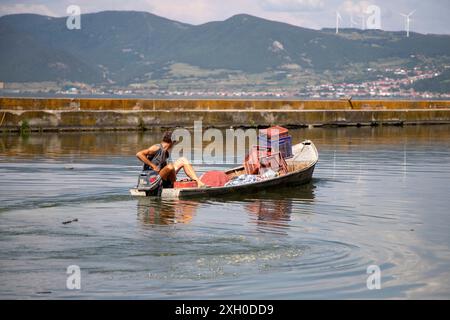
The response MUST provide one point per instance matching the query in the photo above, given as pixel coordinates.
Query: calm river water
(380, 196)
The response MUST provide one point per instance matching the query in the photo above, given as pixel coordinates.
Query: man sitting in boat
(155, 158)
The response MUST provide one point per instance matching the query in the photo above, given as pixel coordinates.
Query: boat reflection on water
(270, 215)
(270, 210)
(154, 211)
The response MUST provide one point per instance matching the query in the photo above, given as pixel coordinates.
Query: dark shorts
(167, 184)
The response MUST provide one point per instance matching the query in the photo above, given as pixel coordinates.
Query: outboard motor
(150, 182)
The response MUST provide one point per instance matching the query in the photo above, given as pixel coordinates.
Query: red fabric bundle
(214, 178)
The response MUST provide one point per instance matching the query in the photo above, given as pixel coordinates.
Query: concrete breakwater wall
(133, 114)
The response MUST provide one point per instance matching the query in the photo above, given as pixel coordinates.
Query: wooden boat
(300, 170)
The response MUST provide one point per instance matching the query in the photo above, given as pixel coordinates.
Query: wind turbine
(352, 21)
(363, 20)
(338, 18)
(408, 21)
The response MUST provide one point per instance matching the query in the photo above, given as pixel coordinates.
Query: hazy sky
(431, 16)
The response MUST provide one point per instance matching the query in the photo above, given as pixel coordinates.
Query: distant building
(2, 85)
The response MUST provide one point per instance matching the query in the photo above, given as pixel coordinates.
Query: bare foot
(200, 184)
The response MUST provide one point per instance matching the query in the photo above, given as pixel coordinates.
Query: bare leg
(188, 169)
(168, 173)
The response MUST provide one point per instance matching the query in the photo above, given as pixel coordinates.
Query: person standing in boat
(155, 158)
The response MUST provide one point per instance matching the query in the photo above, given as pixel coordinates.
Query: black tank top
(158, 159)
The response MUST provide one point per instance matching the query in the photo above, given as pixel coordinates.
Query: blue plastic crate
(284, 145)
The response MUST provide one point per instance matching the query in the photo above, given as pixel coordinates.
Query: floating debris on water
(70, 221)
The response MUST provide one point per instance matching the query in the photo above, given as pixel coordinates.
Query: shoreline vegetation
(26, 115)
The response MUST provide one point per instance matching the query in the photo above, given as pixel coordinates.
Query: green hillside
(136, 47)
